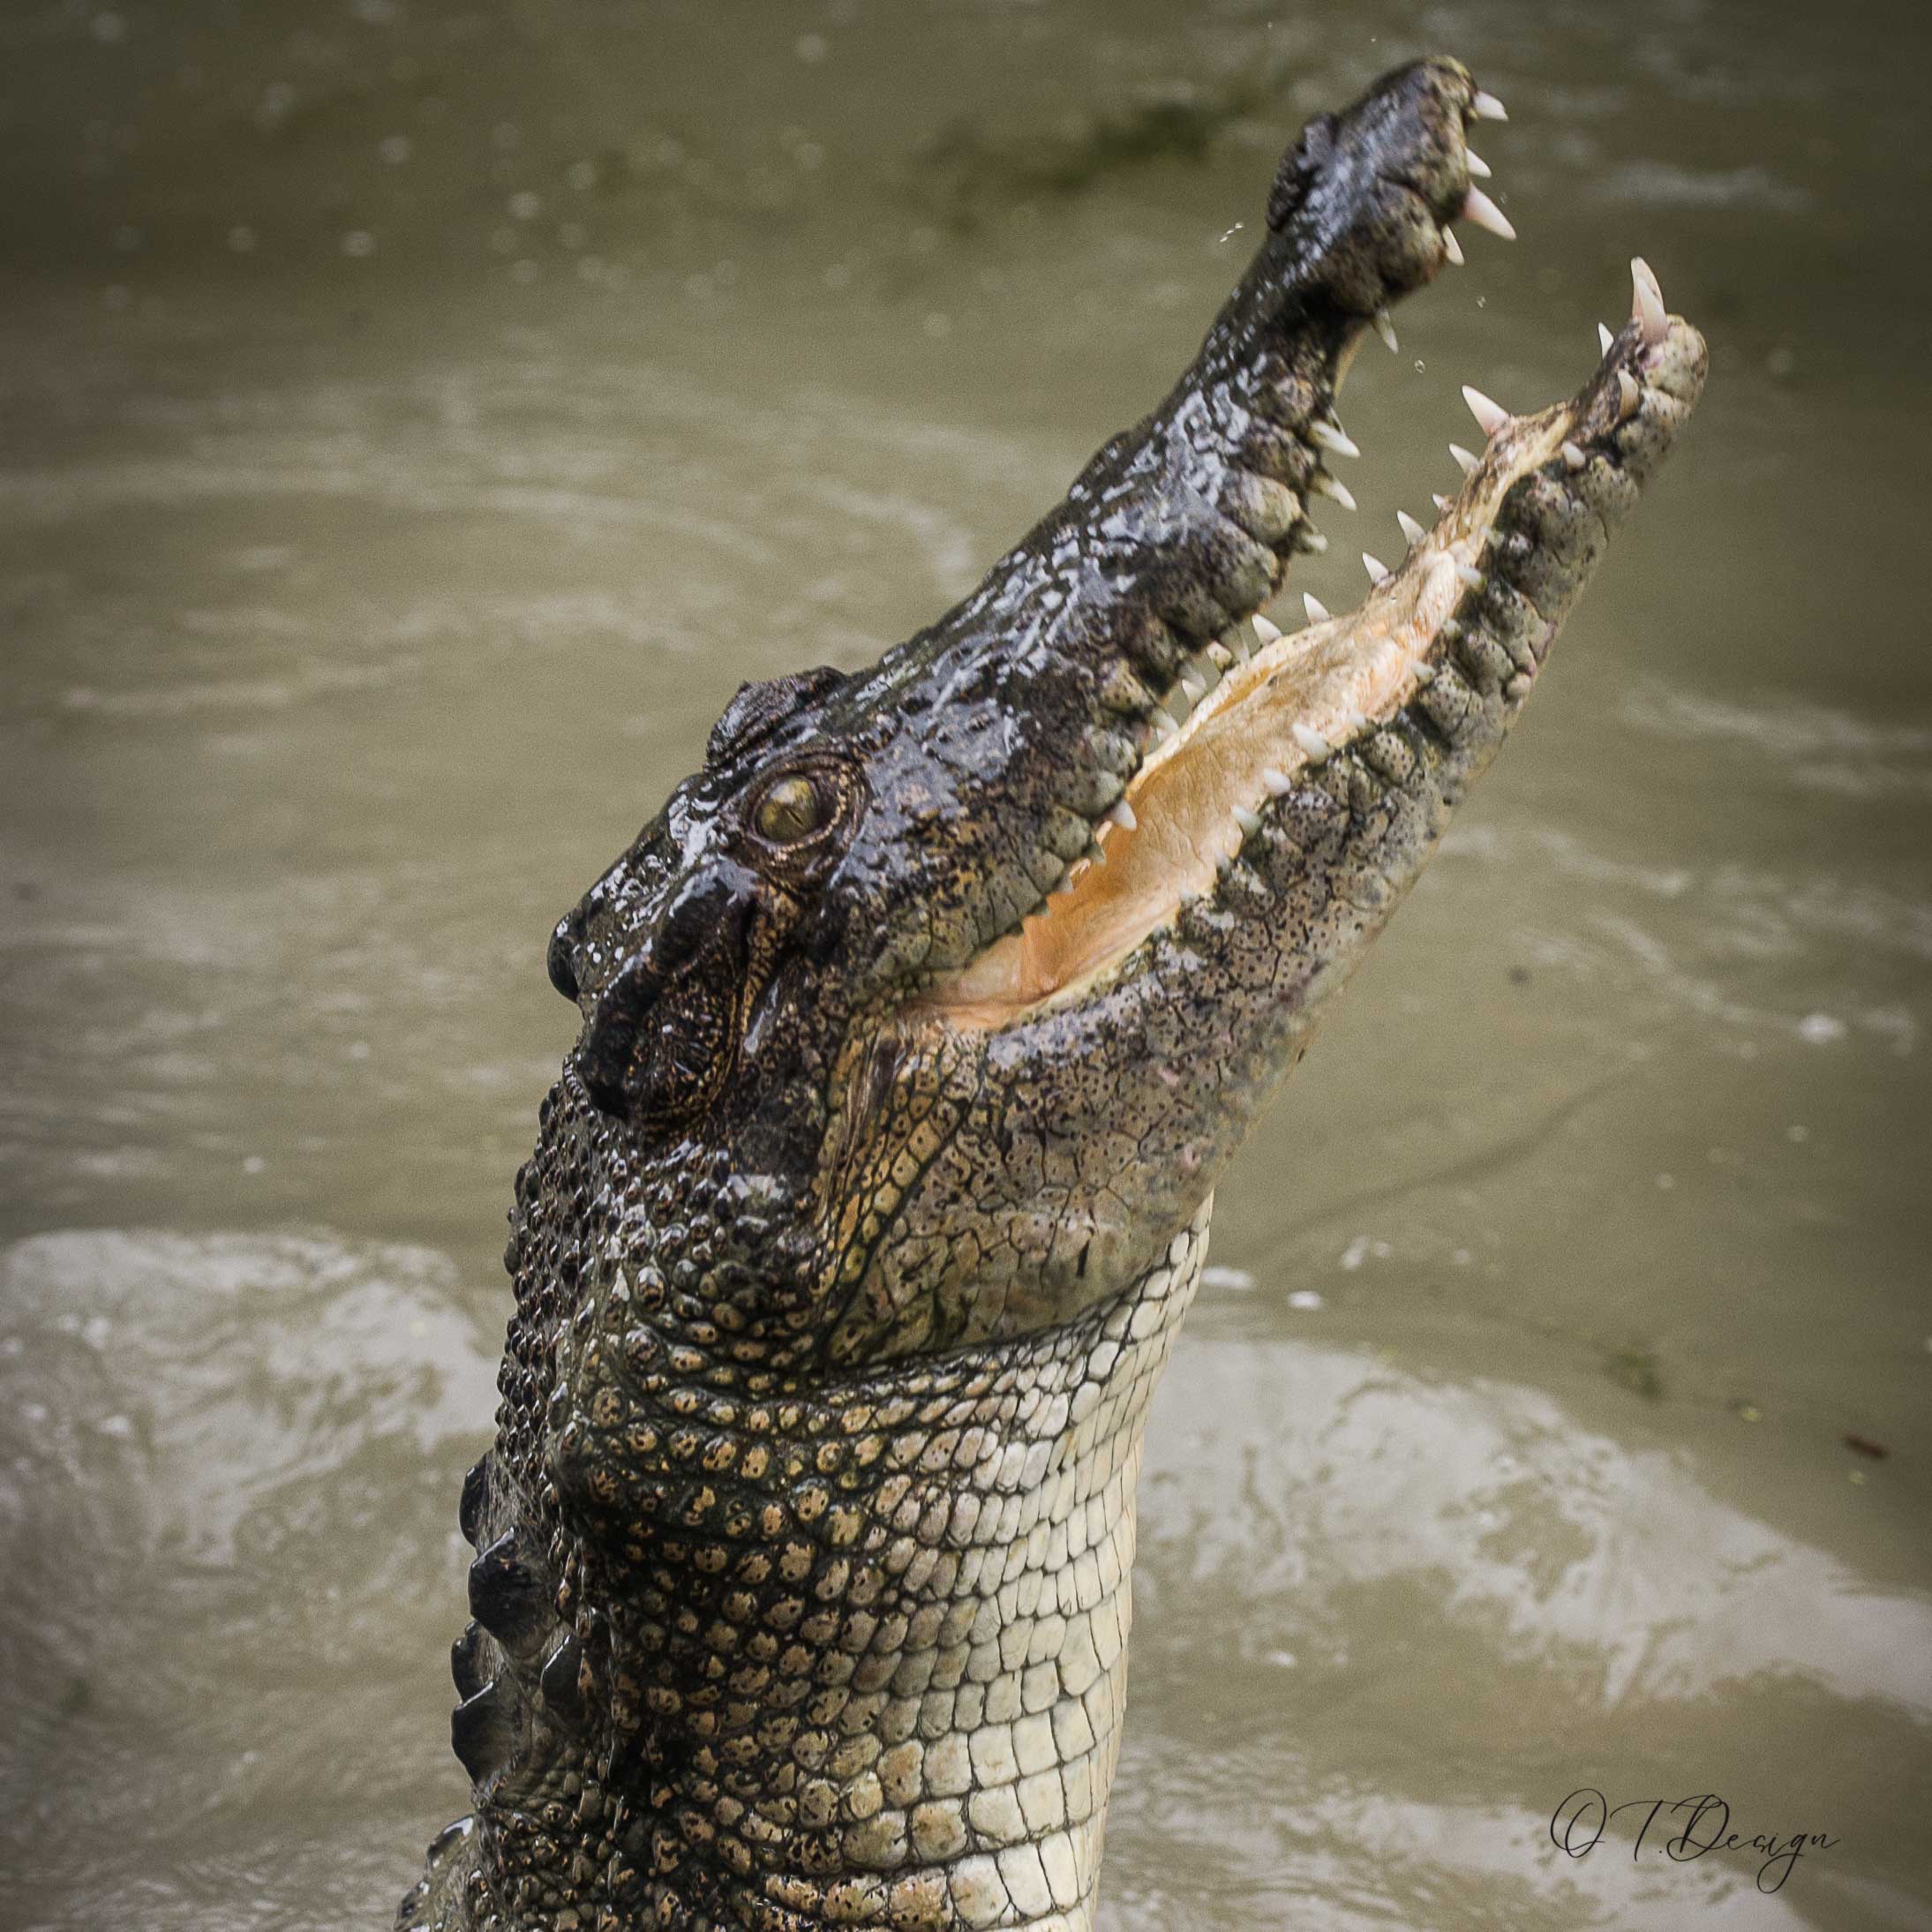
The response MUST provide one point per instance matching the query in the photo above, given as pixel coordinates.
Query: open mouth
(1485, 587)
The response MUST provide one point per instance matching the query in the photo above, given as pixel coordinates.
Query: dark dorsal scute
(760, 708)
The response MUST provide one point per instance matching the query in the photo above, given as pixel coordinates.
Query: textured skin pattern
(865, 1651)
(801, 1588)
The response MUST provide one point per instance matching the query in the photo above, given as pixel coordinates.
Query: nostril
(562, 969)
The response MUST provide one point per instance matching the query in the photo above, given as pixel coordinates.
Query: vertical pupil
(790, 809)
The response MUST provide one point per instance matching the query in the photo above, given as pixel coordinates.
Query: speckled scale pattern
(854, 1656)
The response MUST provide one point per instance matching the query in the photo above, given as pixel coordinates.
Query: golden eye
(791, 810)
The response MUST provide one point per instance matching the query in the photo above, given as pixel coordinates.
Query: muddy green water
(417, 416)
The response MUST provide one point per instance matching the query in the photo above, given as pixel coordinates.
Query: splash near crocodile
(917, 1028)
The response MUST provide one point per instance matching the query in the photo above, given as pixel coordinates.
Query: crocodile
(916, 1029)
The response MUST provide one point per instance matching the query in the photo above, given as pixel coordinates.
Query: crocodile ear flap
(759, 708)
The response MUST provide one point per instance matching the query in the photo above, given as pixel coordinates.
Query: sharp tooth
(1324, 484)
(1451, 247)
(1376, 568)
(1315, 748)
(1312, 541)
(1627, 394)
(1385, 328)
(1440, 501)
(1451, 629)
(1249, 822)
(1237, 640)
(1486, 107)
(1462, 457)
(1484, 212)
(1219, 655)
(1333, 436)
(1471, 576)
(1572, 455)
(1196, 690)
(1606, 338)
(1357, 720)
(1264, 631)
(1096, 853)
(1425, 674)
(1067, 880)
(1163, 725)
(1478, 166)
(1647, 302)
(1318, 611)
(1123, 816)
(1277, 781)
(1411, 529)
(1490, 416)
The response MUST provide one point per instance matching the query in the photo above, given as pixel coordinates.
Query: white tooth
(1324, 484)
(1249, 822)
(1276, 780)
(1486, 107)
(1265, 631)
(1411, 529)
(1573, 456)
(1357, 721)
(1313, 542)
(1163, 725)
(1096, 853)
(1425, 674)
(1484, 212)
(1318, 611)
(1219, 655)
(1385, 328)
(1440, 501)
(1333, 436)
(1647, 302)
(1243, 649)
(1490, 416)
(1471, 576)
(1462, 457)
(1376, 568)
(1451, 247)
(1606, 338)
(1451, 628)
(1314, 747)
(1627, 393)
(1196, 690)
(1478, 166)
(1123, 816)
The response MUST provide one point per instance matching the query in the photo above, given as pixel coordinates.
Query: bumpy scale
(917, 1026)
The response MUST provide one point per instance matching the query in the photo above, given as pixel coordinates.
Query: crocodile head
(917, 1026)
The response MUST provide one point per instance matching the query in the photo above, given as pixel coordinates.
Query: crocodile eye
(792, 809)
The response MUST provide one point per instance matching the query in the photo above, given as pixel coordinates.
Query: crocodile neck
(895, 1703)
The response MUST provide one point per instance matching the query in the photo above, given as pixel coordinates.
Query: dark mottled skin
(802, 1589)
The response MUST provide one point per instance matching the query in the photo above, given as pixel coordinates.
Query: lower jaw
(1472, 607)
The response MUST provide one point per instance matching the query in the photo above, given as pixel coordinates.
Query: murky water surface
(415, 419)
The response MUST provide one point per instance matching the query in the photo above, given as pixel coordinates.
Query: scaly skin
(865, 1210)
